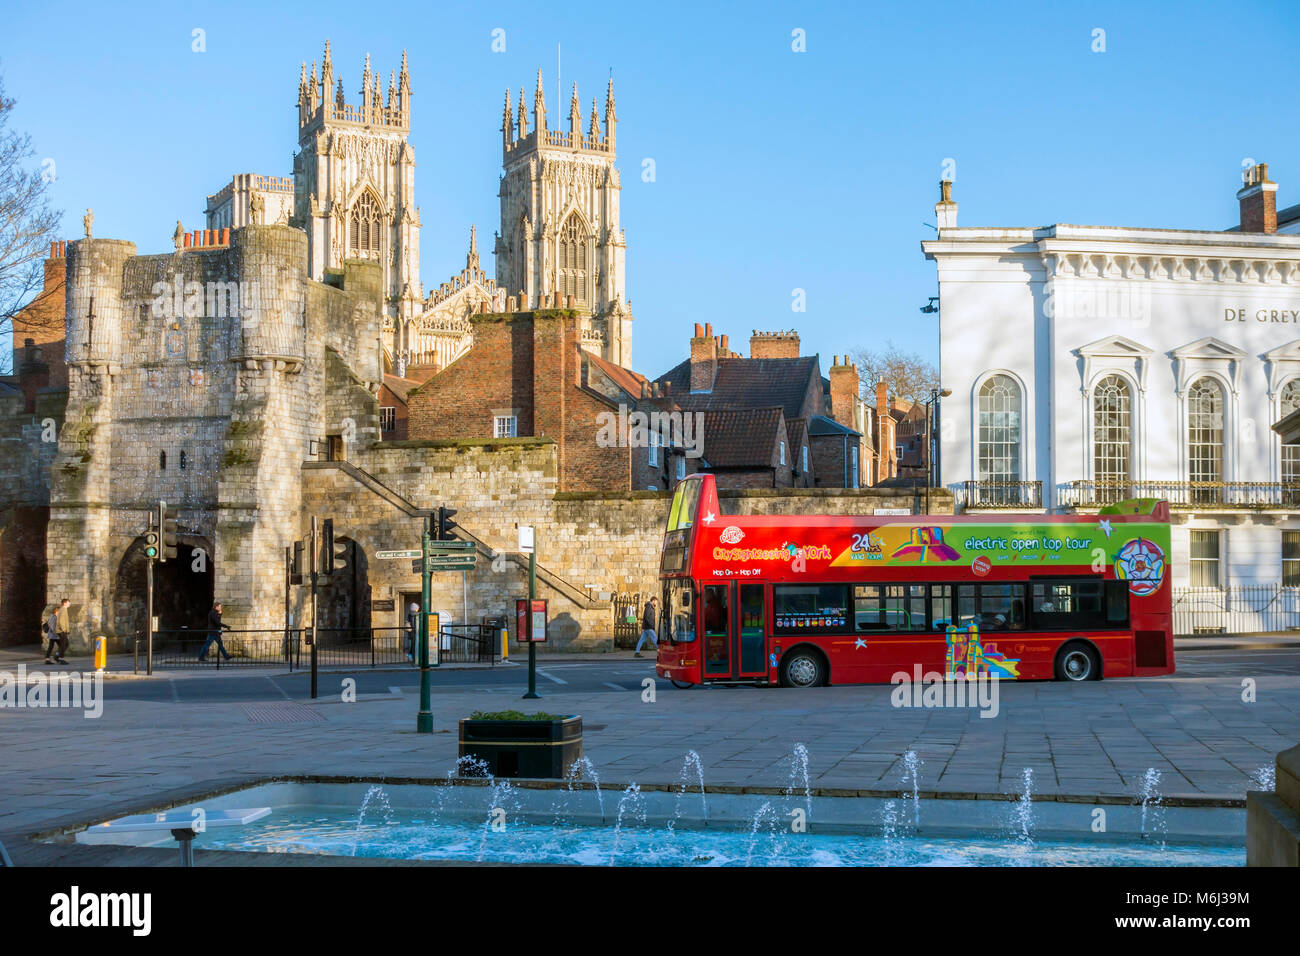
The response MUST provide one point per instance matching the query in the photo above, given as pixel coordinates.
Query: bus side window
(1117, 603)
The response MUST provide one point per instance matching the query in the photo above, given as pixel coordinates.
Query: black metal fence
(627, 606)
(337, 647)
(1250, 609)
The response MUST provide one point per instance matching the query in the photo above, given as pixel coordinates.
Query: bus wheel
(1077, 662)
(802, 668)
(682, 685)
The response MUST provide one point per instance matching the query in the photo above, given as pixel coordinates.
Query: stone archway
(183, 588)
(343, 608)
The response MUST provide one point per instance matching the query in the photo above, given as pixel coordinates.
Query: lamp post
(931, 456)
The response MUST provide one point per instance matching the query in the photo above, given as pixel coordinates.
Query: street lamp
(931, 412)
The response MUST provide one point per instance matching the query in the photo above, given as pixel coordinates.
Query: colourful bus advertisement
(808, 600)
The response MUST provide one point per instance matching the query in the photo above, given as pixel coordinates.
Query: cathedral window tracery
(573, 259)
(364, 228)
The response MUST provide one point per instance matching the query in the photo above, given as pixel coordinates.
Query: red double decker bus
(805, 600)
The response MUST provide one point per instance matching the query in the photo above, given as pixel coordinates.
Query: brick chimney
(704, 359)
(764, 345)
(844, 391)
(885, 450)
(1258, 200)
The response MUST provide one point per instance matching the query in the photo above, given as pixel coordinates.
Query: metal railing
(353, 647)
(1001, 494)
(626, 632)
(1185, 494)
(469, 643)
(1245, 609)
(180, 647)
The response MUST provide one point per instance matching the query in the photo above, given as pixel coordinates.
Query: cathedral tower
(560, 229)
(354, 181)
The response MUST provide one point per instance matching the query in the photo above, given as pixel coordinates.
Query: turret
(539, 109)
(94, 295)
(609, 115)
(575, 117)
(593, 126)
(404, 91)
(365, 87)
(326, 74)
(507, 123)
(523, 115)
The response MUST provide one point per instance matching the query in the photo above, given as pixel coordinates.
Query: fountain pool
(468, 821)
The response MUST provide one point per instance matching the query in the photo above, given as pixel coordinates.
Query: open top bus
(807, 600)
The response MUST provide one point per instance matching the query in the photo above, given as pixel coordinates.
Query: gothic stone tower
(354, 182)
(560, 229)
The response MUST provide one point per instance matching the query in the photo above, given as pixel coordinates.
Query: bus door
(733, 621)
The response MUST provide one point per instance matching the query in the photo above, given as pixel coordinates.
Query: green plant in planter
(511, 715)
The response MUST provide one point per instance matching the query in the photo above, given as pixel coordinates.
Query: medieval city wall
(590, 545)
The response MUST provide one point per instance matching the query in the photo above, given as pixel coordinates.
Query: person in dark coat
(215, 627)
(649, 621)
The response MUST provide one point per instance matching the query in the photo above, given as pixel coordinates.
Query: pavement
(181, 734)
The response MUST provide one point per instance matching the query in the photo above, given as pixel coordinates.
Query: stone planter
(523, 748)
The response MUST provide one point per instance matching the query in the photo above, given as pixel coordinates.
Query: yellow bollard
(505, 644)
(101, 654)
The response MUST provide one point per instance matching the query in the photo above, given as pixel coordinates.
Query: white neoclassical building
(1093, 363)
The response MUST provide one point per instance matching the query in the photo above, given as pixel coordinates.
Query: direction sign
(414, 553)
(450, 547)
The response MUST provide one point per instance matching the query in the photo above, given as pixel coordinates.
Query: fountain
(584, 768)
(889, 831)
(498, 793)
(632, 795)
(371, 794)
(1149, 791)
(799, 768)
(912, 768)
(1022, 813)
(691, 758)
(767, 814)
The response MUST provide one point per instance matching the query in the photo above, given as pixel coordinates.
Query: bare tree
(909, 376)
(27, 225)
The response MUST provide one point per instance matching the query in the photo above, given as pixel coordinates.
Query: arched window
(999, 440)
(1112, 438)
(1205, 439)
(573, 260)
(364, 227)
(1290, 452)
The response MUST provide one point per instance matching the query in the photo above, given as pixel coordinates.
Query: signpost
(528, 544)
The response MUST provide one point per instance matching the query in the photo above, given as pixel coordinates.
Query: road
(558, 679)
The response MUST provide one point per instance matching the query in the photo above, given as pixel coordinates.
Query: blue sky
(775, 170)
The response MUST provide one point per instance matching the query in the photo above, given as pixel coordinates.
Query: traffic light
(445, 524)
(151, 544)
(295, 565)
(327, 549)
(166, 531)
(335, 552)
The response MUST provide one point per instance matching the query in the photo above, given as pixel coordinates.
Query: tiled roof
(749, 383)
(821, 425)
(742, 438)
(399, 386)
(626, 379)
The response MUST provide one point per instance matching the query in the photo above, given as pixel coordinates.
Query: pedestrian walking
(215, 627)
(649, 621)
(56, 629)
(412, 627)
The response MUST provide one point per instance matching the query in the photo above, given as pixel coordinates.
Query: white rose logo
(731, 534)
